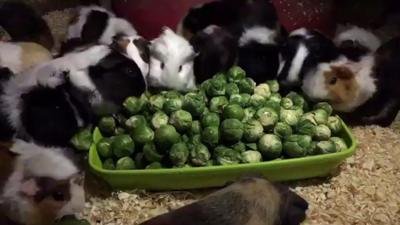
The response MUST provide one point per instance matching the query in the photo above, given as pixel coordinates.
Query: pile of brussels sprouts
(228, 120)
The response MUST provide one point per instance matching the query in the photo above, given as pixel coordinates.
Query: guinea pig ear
(143, 46)
(29, 187)
(342, 72)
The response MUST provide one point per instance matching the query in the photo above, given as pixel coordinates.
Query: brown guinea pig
(249, 201)
(37, 185)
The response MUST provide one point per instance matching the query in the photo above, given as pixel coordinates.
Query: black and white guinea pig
(50, 102)
(171, 62)
(355, 42)
(23, 24)
(248, 201)
(94, 24)
(302, 51)
(365, 92)
(38, 185)
(216, 50)
(20, 56)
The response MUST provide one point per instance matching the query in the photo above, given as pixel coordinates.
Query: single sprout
(296, 146)
(125, 163)
(246, 85)
(252, 146)
(140, 161)
(340, 144)
(273, 85)
(233, 112)
(210, 120)
(181, 120)
(232, 130)
(240, 99)
(324, 106)
(122, 145)
(195, 139)
(239, 147)
(156, 103)
(172, 104)
(334, 124)
(253, 130)
(275, 97)
(320, 116)
(235, 74)
(231, 89)
(297, 99)
(159, 119)
(270, 146)
(262, 90)
(283, 130)
(326, 147)
(220, 77)
(289, 116)
(205, 85)
(249, 114)
(185, 138)
(322, 132)
(251, 157)
(267, 117)
(104, 148)
(199, 155)
(306, 127)
(107, 125)
(217, 104)
(226, 156)
(216, 87)
(273, 105)
(195, 128)
(172, 94)
(119, 131)
(143, 134)
(287, 103)
(308, 117)
(257, 101)
(133, 105)
(179, 154)
(210, 136)
(312, 149)
(82, 140)
(165, 137)
(108, 164)
(151, 154)
(194, 103)
(135, 121)
(154, 166)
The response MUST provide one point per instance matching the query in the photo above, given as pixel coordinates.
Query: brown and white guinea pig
(364, 92)
(171, 62)
(23, 24)
(38, 185)
(20, 56)
(94, 24)
(249, 201)
(216, 50)
(52, 101)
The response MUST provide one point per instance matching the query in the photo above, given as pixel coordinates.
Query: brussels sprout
(306, 127)
(239, 147)
(156, 103)
(82, 140)
(246, 85)
(195, 139)
(232, 130)
(205, 85)
(296, 145)
(308, 117)
(231, 89)
(322, 132)
(320, 116)
(218, 103)
(267, 117)
(257, 101)
(119, 131)
(235, 74)
(154, 166)
(135, 121)
(220, 77)
(140, 161)
(194, 103)
(179, 154)
(151, 154)
(312, 149)
(262, 90)
(166, 136)
(297, 99)
(287, 103)
(125, 163)
(108, 164)
(142, 134)
(210, 120)
(270, 146)
(334, 124)
(273, 85)
(282, 130)
(133, 105)
(107, 125)
(172, 104)
(251, 157)
(195, 128)
(325, 106)
(248, 114)
(104, 148)
(289, 116)
(120, 118)
(210, 136)
(226, 156)
(185, 138)
(326, 147)
(122, 145)
(159, 118)
(273, 105)
(233, 112)
(172, 94)
(181, 120)
(252, 146)
(275, 97)
(199, 155)
(253, 130)
(216, 87)
(240, 99)
(340, 144)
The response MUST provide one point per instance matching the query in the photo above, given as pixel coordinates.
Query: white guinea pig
(38, 185)
(171, 62)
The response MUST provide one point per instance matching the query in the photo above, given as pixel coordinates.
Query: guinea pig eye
(58, 196)
(162, 65)
(128, 70)
(180, 68)
(333, 81)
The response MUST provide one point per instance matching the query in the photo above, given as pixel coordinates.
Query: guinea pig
(23, 24)
(364, 92)
(249, 201)
(355, 42)
(38, 185)
(20, 56)
(171, 62)
(216, 50)
(301, 52)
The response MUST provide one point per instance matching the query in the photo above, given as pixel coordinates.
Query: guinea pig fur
(38, 184)
(171, 62)
(249, 201)
(364, 92)
(20, 56)
(23, 24)
(217, 51)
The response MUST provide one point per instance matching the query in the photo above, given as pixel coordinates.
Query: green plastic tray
(216, 176)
